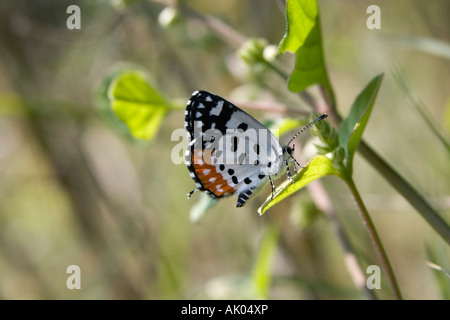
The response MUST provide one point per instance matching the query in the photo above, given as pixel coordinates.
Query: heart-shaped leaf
(303, 37)
(136, 103)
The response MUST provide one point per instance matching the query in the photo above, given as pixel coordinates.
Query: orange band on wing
(208, 175)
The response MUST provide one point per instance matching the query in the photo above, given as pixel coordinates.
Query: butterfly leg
(295, 168)
(190, 193)
(289, 170)
(273, 187)
(298, 164)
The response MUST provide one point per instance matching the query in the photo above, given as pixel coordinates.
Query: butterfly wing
(229, 151)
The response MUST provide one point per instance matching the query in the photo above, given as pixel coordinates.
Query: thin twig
(439, 268)
(270, 107)
(228, 34)
(406, 190)
(375, 239)
(304, 95)
(323, 202)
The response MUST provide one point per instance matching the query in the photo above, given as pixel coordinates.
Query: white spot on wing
(217, 109)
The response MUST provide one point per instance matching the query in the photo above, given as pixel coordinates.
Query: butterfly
(230, 152)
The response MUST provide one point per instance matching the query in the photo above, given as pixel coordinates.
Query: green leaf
(318, 167)
(303, 37)
(351, 129)
(261, 273)
(136, 103)
(103, 103)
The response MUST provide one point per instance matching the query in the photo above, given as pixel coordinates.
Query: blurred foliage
(72, 191)
(136, 103)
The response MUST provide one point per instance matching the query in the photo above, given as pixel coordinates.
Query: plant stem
(375, 238)
(399, 183)
(304, 95)
(407, 191)
(355, 270)
(383, 168)
(270, 107)
(228, 34)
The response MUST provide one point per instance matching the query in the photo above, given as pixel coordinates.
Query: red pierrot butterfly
(230, 152)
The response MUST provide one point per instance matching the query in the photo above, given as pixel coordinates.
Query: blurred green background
(74, 191)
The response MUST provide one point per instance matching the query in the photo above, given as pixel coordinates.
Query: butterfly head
(288, 150)
(288, 154)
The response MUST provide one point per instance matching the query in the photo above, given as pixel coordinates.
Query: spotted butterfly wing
(229, 152)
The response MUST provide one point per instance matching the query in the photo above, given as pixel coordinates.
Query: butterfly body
(230, 152)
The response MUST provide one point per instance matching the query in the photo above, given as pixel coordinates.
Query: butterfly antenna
(323, 116)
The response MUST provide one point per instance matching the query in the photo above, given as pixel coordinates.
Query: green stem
(400, 184)
(393, 177)
(304, 95)
(375, 238)
(407, 191)
(354, 267)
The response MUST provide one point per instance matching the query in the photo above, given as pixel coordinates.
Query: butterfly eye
(288, 149)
